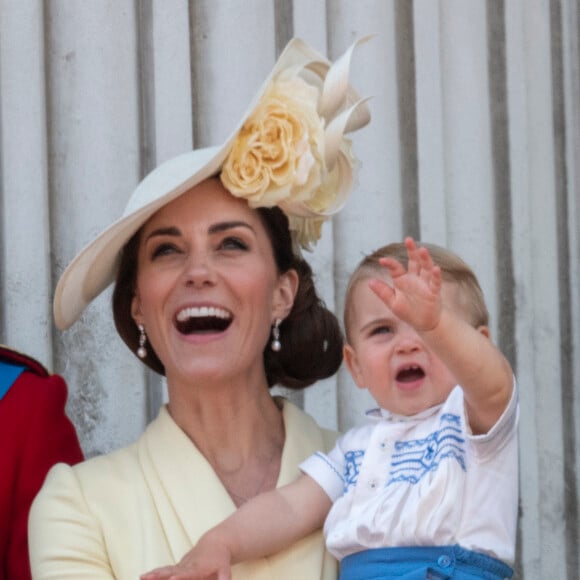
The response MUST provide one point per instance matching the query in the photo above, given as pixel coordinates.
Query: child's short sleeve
(327, 471)
(487, 446)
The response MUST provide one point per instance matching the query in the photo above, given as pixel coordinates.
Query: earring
(275, 345)
(142, 351)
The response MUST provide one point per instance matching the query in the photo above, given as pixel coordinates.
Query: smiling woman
(211, 290)
(188, 271)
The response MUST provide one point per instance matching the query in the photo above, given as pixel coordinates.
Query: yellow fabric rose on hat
(278, 152)
(306, 228)
(292, 151)
(305, 231)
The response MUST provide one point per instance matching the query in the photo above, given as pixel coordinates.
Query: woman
(211, 291)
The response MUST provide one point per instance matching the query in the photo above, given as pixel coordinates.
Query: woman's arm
(64, 539)
(265, 525)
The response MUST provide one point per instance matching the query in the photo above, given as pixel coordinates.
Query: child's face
(386, 356)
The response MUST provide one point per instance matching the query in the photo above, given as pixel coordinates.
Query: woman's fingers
(177, 573)
(162, 573)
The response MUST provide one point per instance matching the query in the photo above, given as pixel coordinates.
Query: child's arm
(263, 526)
(476, 363)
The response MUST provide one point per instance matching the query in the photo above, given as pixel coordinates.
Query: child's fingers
(410, 244)
(435, 281)
(394, 267)
(382, 290)
(425, 260)
(414, 260)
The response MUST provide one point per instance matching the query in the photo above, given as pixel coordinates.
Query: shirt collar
(379, 413)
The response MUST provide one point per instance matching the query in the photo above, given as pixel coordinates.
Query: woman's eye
(163, 250)
(233, 243)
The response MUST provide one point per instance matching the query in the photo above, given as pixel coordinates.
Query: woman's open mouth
(202, 320)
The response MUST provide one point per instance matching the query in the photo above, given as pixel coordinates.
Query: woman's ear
(285, 294)
(352, 364)
(136, 312)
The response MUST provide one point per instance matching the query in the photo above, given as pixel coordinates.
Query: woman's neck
(240, 432)
(228, 423)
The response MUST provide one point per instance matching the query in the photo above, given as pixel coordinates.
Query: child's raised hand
(206, 561)
(415, 293)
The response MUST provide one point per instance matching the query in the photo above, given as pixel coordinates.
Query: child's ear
(352, 363)
(484, 330)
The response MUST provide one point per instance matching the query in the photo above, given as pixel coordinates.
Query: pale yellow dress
(145, 505)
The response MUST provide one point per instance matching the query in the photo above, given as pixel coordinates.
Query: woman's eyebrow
(223, 226)
(171, 231)
(213, 229)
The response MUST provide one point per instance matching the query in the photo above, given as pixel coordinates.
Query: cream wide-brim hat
(94, 268)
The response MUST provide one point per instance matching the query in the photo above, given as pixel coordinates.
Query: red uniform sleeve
(35, 433)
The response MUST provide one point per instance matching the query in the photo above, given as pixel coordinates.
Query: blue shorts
(429, 562)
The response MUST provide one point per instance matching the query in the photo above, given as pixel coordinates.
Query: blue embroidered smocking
(352, 462)
(413, 459)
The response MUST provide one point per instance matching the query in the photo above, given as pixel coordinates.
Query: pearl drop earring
(276, 345)
(142, 351)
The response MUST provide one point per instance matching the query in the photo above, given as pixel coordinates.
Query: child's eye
(233, 243)
(383, 329)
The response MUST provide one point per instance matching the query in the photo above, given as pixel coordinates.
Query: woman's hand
(208, 560)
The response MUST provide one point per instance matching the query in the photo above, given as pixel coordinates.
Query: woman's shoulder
(330, 437)
(124, 464)
(99, 470)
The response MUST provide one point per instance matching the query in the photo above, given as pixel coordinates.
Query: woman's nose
(198, 271)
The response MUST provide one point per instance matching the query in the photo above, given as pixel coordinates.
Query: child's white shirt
(423, 480)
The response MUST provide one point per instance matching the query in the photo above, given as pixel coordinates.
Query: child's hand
(415, 293)
(206, 561)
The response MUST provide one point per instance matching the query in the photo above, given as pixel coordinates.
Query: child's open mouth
(410, 374)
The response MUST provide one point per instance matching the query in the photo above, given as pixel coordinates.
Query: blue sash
(8, 375)
(429, 562)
